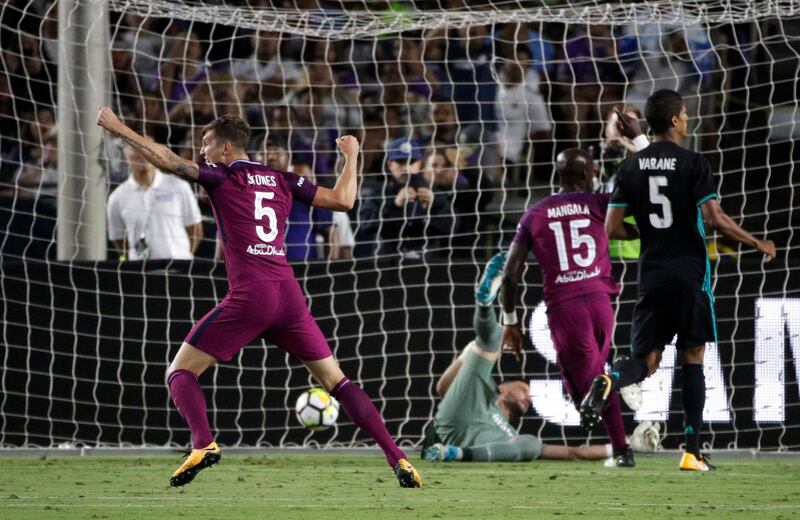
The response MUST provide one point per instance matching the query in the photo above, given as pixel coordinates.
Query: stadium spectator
(307, 136)
(413, 215)
(476, 162)
(39, 175)
(150, 37)
(523, 119)
(467, 192)
(266, 75)
(126, 83)
(681, 59)
(618, 144)
(339, 106)
(184, 68)
(474, 144)
(31, 80)
(368, 216)
(473, 420)
(343, 240)
(396, 99)
(153, 215)
(415, 78)
(470, 58)
(433, 54)
(592, 77)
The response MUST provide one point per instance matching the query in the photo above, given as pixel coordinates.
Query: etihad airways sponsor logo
(266, 250)
(577, 276)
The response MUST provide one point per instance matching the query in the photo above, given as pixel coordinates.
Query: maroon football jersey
(251, 203)
(566, 233)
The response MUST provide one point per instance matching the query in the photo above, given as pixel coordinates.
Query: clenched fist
(348, 145)
(109, 120)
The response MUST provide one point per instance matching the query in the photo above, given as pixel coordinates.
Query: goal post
(82, 88)
(487, 94)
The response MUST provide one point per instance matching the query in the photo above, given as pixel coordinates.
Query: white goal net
(471, 99)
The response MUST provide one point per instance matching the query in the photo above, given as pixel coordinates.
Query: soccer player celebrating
(671, 192)
(565, 232)
(251, 203)
(472, 421)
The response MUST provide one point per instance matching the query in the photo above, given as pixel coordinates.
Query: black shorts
(659, 316)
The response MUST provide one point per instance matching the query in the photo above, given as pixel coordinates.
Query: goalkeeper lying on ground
(472, 422)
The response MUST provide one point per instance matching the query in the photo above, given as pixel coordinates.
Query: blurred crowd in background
(459, 127)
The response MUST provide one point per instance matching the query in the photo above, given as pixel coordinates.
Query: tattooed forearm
(186, 169)
(162, 157)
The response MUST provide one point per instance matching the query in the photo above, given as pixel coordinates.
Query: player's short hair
(231, 127)
(661, 107)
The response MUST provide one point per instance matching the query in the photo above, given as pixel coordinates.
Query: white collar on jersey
(245, 161)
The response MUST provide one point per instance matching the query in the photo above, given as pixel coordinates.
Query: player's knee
(529, 447)
(693, 355)
(653, 362)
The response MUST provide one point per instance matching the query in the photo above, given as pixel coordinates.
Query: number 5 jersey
(251, 203)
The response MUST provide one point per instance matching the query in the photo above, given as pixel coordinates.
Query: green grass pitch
(362, 486)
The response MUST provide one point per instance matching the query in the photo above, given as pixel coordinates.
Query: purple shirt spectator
(305, 223)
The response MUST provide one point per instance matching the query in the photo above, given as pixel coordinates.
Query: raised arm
(444, 382)
(343, 196)
(715, 216)
(156, 154)
(628, 126)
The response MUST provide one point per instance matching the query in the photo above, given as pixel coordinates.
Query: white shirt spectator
(343, 228)
(251, 69)
(520, 111)
(160, 213)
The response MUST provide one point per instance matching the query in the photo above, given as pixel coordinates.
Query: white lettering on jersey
(577, 276)
(651, 163)
(266, 250)
(300, 181)
(567, 210)
(502, 423)
(261, 180)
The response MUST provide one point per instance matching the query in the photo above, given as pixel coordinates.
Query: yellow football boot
(195, 461)
(689, 462)
(407, 474)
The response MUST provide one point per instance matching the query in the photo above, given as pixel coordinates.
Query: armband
(641, 142)
(510, 318)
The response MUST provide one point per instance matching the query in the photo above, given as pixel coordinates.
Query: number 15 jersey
(566, 233)
(251, 203)
(663, 187)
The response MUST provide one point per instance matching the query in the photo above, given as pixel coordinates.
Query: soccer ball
(646, 437)
(316, 409)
